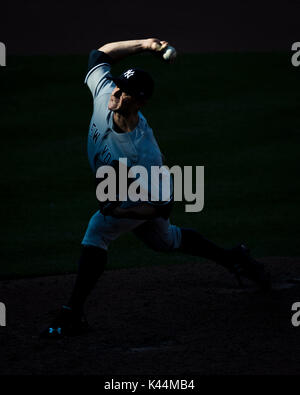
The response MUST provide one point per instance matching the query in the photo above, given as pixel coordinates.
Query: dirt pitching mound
(180, 319)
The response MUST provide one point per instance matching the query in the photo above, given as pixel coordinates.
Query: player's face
(122, 102)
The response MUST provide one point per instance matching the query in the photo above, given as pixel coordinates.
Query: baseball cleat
(243, 265)
(67, 323)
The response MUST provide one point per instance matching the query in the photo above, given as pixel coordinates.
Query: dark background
(232, 107)
(30, 27)
(231, 103)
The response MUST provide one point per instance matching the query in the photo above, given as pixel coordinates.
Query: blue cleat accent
(67, 323)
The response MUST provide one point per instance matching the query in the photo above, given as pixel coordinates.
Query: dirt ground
(183, 319)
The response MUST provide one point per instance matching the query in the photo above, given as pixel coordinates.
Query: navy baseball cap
(135, 82)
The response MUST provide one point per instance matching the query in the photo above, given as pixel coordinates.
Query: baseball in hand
(169, 53)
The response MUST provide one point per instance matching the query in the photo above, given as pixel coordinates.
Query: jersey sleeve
(99, 66)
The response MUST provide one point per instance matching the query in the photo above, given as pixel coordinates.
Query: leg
(193, 243)
(237, 260)
(160, 235)
(101, 231)
(91, 265)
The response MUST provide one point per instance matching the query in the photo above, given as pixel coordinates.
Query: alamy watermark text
(157, 184)
(2, 54)
(2, 314)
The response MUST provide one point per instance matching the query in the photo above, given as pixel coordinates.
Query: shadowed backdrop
(34, 26)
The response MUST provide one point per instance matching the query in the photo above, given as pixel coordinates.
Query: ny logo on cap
(128, 73)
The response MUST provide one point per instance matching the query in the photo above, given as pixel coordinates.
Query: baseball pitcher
(119, 130)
